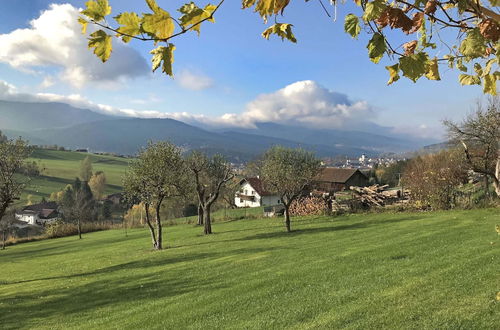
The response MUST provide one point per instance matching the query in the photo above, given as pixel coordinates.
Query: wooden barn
(332, 179)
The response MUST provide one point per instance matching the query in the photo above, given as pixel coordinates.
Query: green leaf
(351, 25)
(466, 79)
(97, 9)
(84, 24)
(163, 55)
(474, 45)
(192, 15)
(432, 70)
(490, 84)
(460, 65)
(393, 73)
(414, 66)
(153, 6)
(102, 44)
(130, 25)
(282, 30)
(376, 47)
(489, 64)
(158, 25)
(374, 10)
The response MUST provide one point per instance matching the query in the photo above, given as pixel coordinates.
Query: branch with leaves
(474, 51)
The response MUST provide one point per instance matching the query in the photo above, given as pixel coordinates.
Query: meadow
(60, 168)
(423, 270)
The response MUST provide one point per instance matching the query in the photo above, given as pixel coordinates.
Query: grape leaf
(282, 30)
(466, 79)
(474, 45)
(351, 25)
(102, 44)
(163, 55)
(192, 14)
(432, 70)
(84, 24)
(130, 25)
(158, 25)
(376, 47)
(374, 10)
(490, 84)
(393, 73)
(414, 66)
(97, 10)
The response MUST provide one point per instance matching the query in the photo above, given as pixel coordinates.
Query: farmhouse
(39, 214)
(332, 179)
(252, 194)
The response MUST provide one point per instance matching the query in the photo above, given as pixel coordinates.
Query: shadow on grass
(335, 226)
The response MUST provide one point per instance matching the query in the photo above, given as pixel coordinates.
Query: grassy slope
(62, 167)
(409, 270)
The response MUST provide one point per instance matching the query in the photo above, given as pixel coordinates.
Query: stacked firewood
(376, 195)
(308, 206)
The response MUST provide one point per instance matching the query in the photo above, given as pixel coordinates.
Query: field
(365, 271)
(62, 167)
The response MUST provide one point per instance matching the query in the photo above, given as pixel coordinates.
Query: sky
(227, 76)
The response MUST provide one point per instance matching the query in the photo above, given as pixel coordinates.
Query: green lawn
(408, 270)
(62, 167)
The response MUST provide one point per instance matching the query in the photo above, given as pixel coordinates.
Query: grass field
(408, 270)
(62, 167)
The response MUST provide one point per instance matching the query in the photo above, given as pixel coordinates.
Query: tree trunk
(487, 185)
(151, 228)
(208, 222)
(159, 240)
(200, 215)
(4, 238)
(79, 225)
(496, 179)
(287, 218)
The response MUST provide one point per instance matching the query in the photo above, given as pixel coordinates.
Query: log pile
(376, 195)
(308, 206)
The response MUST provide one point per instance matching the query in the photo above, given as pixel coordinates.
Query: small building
(332, 179)
(39, 214)
(115, 199)
(253, 194)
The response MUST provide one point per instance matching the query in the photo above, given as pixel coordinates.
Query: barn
(332, 179)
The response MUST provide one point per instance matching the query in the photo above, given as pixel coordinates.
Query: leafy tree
(422, 24)
(12, 159)
(210, 175)
(156, 175)
(86, 169)
(97, 184)
(288, 172)
(479, 134)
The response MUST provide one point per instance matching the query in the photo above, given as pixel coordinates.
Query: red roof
(257, 185)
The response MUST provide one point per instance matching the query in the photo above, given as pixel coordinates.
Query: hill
(60, 168)
(368, 271)
(62, 124)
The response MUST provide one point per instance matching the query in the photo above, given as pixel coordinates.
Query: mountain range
(71, 127)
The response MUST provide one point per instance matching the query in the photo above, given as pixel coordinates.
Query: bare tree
(479, 135)
(78, 204)
(156, 175)
(288, 172)
(12, 159)
(7, 225)
(210, 175)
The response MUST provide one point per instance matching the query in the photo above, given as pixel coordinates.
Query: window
(279, 201)
(246, 192)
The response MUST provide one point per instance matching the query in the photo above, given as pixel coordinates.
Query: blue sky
(231, 69)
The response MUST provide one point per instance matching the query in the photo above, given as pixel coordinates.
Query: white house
(252, 194)
(39, 214)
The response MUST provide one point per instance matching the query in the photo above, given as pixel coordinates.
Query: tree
(86, 169)
(156, 175)
(97, 184)
(12, 159)
(479, 134)
(433, 179)
(210, 175)
(7, 225)
(473, 51)
(288, 172)
(78, 204)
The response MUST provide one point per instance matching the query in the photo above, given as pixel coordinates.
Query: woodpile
(377, 195)
(308, 206)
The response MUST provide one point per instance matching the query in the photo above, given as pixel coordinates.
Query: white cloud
(54, 39)
(193, 81)
(305, 103)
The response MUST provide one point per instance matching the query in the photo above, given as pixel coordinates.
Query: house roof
(337, 175)
(41, 206)
(48, 214)
(257, 185)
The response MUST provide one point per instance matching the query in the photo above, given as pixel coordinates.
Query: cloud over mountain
(54, 40)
